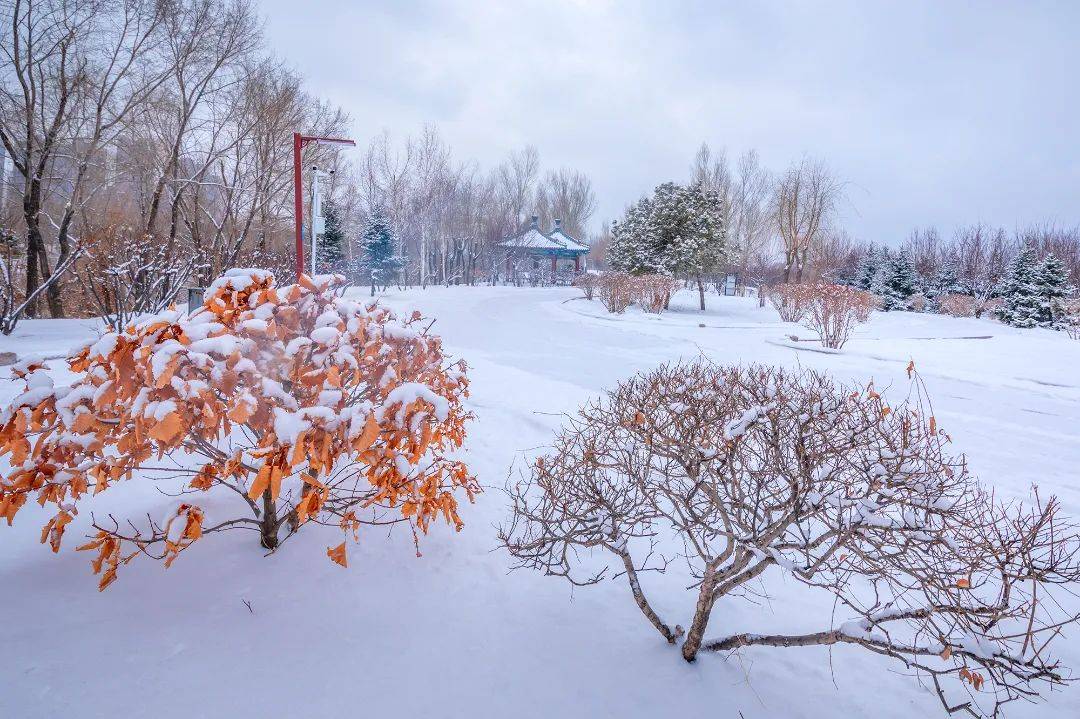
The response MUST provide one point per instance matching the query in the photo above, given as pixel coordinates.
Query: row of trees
(786, 228)
(449, 216)
(145, 136)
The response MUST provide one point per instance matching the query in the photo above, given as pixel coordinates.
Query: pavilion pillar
(577, 263)
(554, 267)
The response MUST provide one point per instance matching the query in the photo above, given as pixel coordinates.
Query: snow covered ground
(455, 634)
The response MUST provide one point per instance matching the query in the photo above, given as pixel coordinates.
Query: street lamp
(299, 141)
(318, 220)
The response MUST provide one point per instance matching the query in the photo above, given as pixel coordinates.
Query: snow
(486, 641)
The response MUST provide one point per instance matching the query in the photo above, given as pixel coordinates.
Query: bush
(789, 300)
(616, 290)
(833, 311)
(653, 292)
(957, 305)
(306, 406)
(587, 282)
(750, 470)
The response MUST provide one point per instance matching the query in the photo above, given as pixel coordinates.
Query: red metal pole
(298, 204)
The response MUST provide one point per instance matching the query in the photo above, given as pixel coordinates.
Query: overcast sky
(936, 113)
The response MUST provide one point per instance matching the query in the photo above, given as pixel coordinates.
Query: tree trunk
(268, 525)
(701, 616)
(701, 293)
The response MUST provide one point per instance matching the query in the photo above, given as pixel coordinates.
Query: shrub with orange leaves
(306, 406)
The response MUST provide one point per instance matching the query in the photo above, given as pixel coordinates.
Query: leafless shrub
(833, 311)
(748, 470)
(957, 305)
(917, 302)
(129, 274)
(616, 290)
(587, 283)
(652, 292)
(789, 300)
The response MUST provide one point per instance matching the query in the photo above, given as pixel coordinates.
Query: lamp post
(299, 142)
(318, 220)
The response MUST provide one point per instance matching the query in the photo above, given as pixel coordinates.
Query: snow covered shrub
(302, 405)
(957, 305)
(616, 290)
(652, 292)
(744, 471)
(127, 274)
(918, 302)
(833, 311)
(789, 300)
(587, 282)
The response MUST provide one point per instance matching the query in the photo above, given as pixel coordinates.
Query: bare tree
(804, 201)
(44, 77)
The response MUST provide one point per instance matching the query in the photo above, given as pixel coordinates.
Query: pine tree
(378, 264)
(897, 282)
(1053, 280)
(946, 281)
(678, 231)
(331, 245)
(1021, 291)
(868, 268)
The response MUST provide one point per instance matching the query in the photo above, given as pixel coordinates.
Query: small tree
(1054, 288)
(755, 470)
(1021, 292)
(331, 246)
(896, 282)
(304, 406)
(379, 263)
(869, 267)
(833, 311)
(678, 231)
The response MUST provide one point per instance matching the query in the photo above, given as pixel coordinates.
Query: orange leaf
(946, 653)
(261, 482)
(337, 554)
(963, 583)
(167, 429)
(368, 436)
(241, 413)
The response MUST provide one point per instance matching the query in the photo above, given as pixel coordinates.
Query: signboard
(729, 285)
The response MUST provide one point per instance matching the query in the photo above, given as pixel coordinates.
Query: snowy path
(453, 634)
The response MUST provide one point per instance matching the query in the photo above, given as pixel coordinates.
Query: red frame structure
(299, 141)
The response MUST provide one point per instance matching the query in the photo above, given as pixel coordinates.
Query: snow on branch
(757, 469)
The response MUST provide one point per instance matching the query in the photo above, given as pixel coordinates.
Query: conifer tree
(378, 263)
(868, 269)
(331, 245)
(897, 282)
(678, 231)
(1022, 291)
(1053, 279)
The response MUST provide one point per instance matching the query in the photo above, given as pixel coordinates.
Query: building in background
(537, 257)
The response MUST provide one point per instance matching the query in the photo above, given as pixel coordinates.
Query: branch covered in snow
(755, 469)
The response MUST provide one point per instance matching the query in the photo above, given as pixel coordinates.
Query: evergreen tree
(897, 282)
(1053, 280)
(946, 281)
(868, 269)
(678, 231)
(331, 245)
(1022, 291)
(378, 264)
